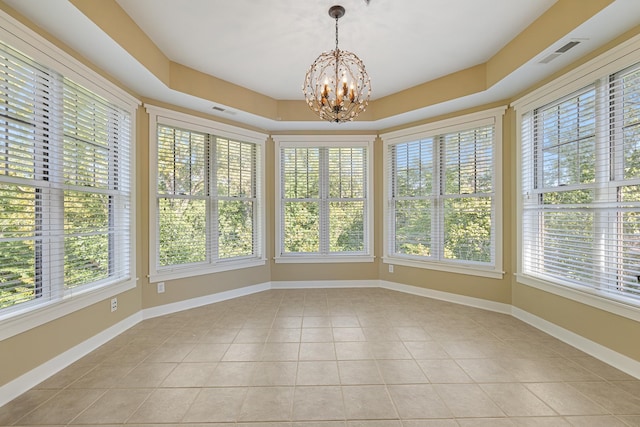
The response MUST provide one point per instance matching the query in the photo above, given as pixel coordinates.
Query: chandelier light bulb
(337, 86)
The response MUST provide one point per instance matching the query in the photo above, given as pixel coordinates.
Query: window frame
(22, 318)
(435, 130)
(163, 116)
(324, 141)
(591, 72)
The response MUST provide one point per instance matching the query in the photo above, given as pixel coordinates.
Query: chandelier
(337, 86)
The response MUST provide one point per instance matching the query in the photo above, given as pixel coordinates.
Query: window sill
(625, 307)
(191, 270)
(19, 321)
(317, 259)
(468, 269)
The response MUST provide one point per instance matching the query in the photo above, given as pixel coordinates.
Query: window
(581, 188)
(208, 208)
(324, 202)
(65, 187)
(442, 195)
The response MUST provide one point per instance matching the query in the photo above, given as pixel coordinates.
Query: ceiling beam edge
(114, 21)
(554, 24)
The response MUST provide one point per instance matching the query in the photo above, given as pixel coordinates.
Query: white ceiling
(267, 46)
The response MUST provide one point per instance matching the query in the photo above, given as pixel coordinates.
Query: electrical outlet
(390, 268)
(114, 304)
(160, 287)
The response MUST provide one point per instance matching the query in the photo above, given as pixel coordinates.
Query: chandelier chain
(337, 33)
(337, 51)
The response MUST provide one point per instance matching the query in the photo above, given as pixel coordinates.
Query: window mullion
(323, 209)
(437, 217)
(53, 196)
(115, 255)
(254, 196)
(392, 198)
(607, 155)
(212, 197)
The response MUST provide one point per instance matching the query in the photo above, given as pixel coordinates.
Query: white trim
(317, 259)
(600, 352)
(484, 304)
(159, 115)
(196, 270)
(619, 57)
(46, 53)
(161, 310)
(195, 123)
(27, 381)
(585, 296)
(498, 191)
(454, 124)
(493, 117)
(322, 141)
(18, 36)
(460, 268)
(614, 60)
(23, 383)
(15, 323)
(324, 284)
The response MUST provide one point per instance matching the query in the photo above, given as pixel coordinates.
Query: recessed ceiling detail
(427, 58)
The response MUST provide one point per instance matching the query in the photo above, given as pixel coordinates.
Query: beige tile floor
(333, 358)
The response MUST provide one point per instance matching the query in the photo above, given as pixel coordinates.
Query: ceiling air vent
(223, 110)
(567, 46)
(559, 52)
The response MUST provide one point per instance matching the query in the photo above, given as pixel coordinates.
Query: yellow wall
(28, 350)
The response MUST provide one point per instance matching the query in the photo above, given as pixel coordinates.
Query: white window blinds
(324, 207)
(441, 197)
(580, 182)
(207, 198)
(65, 191)
(182, 196)
(236, 194)
(467, 195)
(412, 185)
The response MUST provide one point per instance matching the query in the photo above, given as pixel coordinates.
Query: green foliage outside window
(207, 198)
(323, 200)
(442, 204)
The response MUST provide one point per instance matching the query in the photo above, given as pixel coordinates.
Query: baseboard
(605, 354)
(320, 284)
(161, 310)
(446, 296)
(25, 382)
(32, 378)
